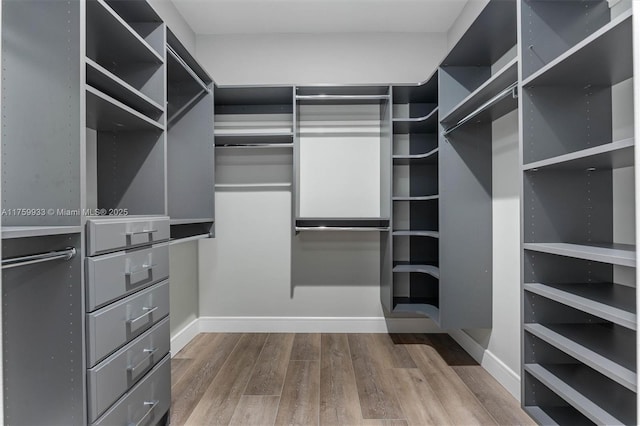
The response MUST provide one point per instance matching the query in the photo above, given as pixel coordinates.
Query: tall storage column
(578, 204)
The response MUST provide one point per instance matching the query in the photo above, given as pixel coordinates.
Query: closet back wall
(252, 269)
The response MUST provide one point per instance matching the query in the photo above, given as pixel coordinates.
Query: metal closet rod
(341, 97)
(187, 68)
(511, 90)
(65, 254)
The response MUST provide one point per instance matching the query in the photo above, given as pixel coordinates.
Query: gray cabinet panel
(110, 379)
(112, 276)
(113, 326)
(111, 234)
(146, 403)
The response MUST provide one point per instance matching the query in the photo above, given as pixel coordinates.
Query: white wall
(502, 343)
(184, 285)
(321, 58)
(174, 20)
(469, 13)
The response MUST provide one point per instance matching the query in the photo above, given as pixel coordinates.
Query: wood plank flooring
(335, 379)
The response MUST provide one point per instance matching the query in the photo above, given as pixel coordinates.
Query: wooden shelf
(612, 155)
(574, 384)
(417, 305)
(593, 345)
(253, 139)
(603, 58)
(123, 43)
(616, 254)
(105, 113)
(417, 198)
(425, 124)
(555, 416)
(611, 302)
(416, 233)
(420, 269)
(10, 232)
(430, 157)
(110, 84)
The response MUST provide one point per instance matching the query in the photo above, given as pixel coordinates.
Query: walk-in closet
(365, 212)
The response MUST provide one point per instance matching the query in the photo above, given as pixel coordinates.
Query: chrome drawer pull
(151, 405)
(144, 231)
(148, 311)
(143, 268)
(135, 370)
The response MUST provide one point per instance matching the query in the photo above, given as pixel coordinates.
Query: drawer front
(146, 403)
(109, 380)
(112, 234)
(113, 326)
(111, 276)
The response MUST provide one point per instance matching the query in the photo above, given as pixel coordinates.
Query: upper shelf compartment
(415, 101)
(600, 59)
(552, 28)
(342, 94)
(477, 75)
(493, 99)
(253, 116)
(187, 81)
(116, 46)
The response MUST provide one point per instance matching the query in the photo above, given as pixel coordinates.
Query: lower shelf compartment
(427, 306)
(556, 415)
(608, 349)
(596, 397)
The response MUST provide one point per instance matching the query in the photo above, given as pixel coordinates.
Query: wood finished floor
(335, 379)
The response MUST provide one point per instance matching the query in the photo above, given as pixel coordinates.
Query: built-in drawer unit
(112, 276)
(146, 403)
(114, 325)
(118, 233)
(110, 379)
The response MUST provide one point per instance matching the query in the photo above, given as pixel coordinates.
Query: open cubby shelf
(110, 84)
(613, 155)
(609, 301)
(594, 345)
(496, 84)
(416, 233)
(615, 254)
(573, 382)
(105, 113)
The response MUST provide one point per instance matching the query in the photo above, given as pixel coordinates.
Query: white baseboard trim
(316, 325)
(498, 369)
(184, 336)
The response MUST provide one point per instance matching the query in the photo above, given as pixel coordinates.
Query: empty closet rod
(65, 254)
(340, 228)
(187, 68)
(340, 97)
(511, 90)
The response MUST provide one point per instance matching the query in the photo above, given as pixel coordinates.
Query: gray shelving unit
(410, 254)
(254, 138)
(579, 311)
(190, 144)
(477, 85)
(42, 321)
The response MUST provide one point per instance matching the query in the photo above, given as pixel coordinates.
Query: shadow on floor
(450, 351)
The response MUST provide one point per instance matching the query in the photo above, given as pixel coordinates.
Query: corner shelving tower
(410, 277)
(578, 215)
(477, 85)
